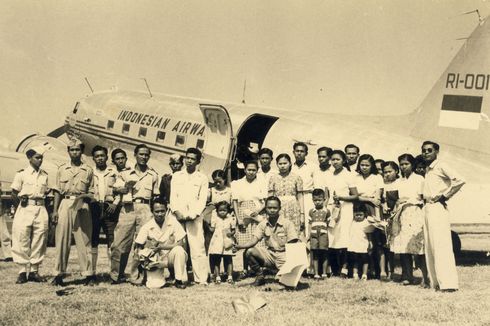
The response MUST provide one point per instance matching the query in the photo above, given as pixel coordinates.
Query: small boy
(159, 244)
(360, 243)
(319, 220)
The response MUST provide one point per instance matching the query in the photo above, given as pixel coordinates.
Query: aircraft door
(218, 146)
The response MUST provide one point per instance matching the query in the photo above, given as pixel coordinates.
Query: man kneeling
(159, 245)
(276, 231)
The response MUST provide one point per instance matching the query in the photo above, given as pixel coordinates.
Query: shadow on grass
(472, 258)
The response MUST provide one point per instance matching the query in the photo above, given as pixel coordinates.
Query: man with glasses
(441, 183)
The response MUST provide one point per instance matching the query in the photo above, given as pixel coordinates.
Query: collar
(31, 170)
(302, 165)
(280, 221)
(433, 164)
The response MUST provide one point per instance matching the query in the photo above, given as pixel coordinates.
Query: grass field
(334, 301)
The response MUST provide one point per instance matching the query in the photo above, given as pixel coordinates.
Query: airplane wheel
(456, 243)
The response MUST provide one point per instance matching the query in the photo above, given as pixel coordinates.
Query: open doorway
(250, 138)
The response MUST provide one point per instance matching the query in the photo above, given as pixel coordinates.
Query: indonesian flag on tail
(460, 111)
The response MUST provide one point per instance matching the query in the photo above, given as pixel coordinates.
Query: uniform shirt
(369, 186)
(74, 180)
(104, 183)
(411, 188)
(170, 232)
(146, 185)
(305, 171)
(439, 180)
(320, 178)
(276, 236)
(31, 183)
(120, 182)
(189, 193)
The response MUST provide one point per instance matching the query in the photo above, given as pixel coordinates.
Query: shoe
(355, 277)
(90, 281)
(243, 275)
(58, 281)
(180, 285)
(217, 280)
(21, 279)
(364, 278)
(344, 272)
(383, 277)
(230, 280)
(34, 277)
(324, 276)
(316, 277)
(8, 259)
(259, 281)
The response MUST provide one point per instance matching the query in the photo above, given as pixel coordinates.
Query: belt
(70, 196)
(35, 202)
(141, 201)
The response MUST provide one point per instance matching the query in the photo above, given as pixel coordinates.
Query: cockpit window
(75, 109)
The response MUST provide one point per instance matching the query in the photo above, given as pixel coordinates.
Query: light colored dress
(339, 235)
(407, 229)
(368, 187)
(286, 188)
(248, 196)
(219, 243)
(359, 241)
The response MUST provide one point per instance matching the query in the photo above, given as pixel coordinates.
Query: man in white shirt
(441, 183)
(320, 175)
(187, 202)
(266, 171)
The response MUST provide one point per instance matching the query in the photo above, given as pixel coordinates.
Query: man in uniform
(138, 187)
(176, 162)
(277, 231)
(71, 214)
(104, 207)
(30, 226)
(187, 201)
(441, 183)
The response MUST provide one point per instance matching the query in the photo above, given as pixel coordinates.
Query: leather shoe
(34, 277)
(58, 281)
(259, 280)
(89, 281)
(21, 279)
(180, 284)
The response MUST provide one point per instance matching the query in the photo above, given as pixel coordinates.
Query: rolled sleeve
(291, 232)
(142, 235)
(17, 183)
(260, 231)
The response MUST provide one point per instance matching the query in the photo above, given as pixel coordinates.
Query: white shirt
(320, 178)
(440, 179)
(340, 183)
(369, 186)
(101, 186)
(242, 190)
(189, 193)
(411, 188)
(31, 183)
(265, 177)
(305, 171)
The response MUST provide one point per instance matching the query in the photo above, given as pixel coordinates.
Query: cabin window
(160, 136)
(110, 124)
(143, 131)
(180, 141)
(200, 144)
(125, 128)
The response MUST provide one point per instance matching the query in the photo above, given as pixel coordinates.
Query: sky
(355, 57)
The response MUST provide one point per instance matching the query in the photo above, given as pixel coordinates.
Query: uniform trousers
(439, 254)
(131, 218)
(29, 236)
(5, 237)
(76, 223)
(101, 219)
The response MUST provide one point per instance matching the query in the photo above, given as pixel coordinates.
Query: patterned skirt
(290, 210)
(244, 234)
(407, 232)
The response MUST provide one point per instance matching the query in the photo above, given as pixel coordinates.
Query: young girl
(217, 193)
(360, 241)
(223, 226)
(319, 218)
(386, 257)
(341, 185)
(408, 224)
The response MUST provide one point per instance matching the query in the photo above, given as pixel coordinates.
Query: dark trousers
(215, 261)
(337, 259)
(104, 220)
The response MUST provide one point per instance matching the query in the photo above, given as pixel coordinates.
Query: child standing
(223, 226)
(319, 218)
(360, 241)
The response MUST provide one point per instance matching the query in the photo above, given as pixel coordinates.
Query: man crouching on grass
(277, 231)
(164, 235)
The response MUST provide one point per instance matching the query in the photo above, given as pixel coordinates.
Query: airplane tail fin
(456, 111)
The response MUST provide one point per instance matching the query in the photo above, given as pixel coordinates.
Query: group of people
(353, 211)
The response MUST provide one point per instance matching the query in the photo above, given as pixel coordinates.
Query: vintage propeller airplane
(454, 113)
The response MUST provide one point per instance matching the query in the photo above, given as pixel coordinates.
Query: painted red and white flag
(461, 111)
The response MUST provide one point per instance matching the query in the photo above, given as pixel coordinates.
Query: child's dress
(359, 242)
(221, 244)
(319, 226)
